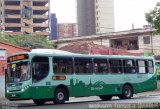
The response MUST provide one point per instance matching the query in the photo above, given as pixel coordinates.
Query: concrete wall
(154, 44)
(10, 49)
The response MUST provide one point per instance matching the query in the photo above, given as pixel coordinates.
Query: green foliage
(27, 41)
(153, 17)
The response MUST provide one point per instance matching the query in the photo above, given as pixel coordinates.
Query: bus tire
(39, 101)
(105, 97)
(60, 96)
(127, 92)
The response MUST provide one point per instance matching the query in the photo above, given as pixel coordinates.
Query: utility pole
(152, 41)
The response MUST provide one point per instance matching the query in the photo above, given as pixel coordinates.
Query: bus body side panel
(86, 85)
(42, 92)
(149, 83)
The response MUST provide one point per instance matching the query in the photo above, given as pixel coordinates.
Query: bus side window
(62, 65)
(141, 66)
(150, 66)
(129, 66)
(100, 66)
(83, 65)
(116, 66)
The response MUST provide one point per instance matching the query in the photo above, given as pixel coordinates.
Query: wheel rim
(60, 96)
(127, 92)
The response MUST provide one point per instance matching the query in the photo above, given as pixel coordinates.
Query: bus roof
(56, 52)
(50, 51)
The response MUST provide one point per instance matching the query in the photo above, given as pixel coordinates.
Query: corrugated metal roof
(91, 48)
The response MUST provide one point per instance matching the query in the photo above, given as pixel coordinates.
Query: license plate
(14, 95)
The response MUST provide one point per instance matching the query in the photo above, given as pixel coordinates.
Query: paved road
(94, 102)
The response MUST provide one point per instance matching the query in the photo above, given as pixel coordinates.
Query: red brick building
(6, 50)
(67, 30)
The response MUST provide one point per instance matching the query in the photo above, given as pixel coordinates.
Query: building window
(146, 39)
(97, 30)
(97, 6)
(97, 12)
(97, 24)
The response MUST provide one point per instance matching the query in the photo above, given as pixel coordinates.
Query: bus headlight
(22, 90)
(25, 88)
(7, 91)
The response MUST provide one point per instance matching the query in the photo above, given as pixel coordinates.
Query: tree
(27, 41)
(153, 17)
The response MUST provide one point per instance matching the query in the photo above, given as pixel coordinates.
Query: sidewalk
(149, 93)
(2, 87)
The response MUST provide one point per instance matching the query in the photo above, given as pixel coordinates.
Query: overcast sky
(127, 12)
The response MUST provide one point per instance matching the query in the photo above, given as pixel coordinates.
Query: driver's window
(40, 68)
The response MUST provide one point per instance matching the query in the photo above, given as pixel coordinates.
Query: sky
(126, 12)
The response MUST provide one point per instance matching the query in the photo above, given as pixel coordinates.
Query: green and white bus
(52, 75)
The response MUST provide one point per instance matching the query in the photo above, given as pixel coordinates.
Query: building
(6, 50)
(136, 41)
(24, 17)
(53, 34)
(86, 17)
(95, 17)
(104, 16)
(66, 30)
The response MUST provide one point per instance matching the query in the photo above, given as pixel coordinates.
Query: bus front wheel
(105, 97)
(127, 92)
(60, 96)
(39, 101)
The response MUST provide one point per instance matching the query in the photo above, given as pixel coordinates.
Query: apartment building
(95, 16)
(66, 30)
(54, 25)
(24, 17)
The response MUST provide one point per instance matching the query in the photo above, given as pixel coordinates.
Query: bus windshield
(18, 72)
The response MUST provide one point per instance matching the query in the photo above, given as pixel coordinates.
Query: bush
(27, 41)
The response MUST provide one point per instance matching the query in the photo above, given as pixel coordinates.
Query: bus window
(129, 66)
(141, 66)
(83, 65)
(150, 67)
(40, 68)
(62, 65)
(115, 66)
(100, 66)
